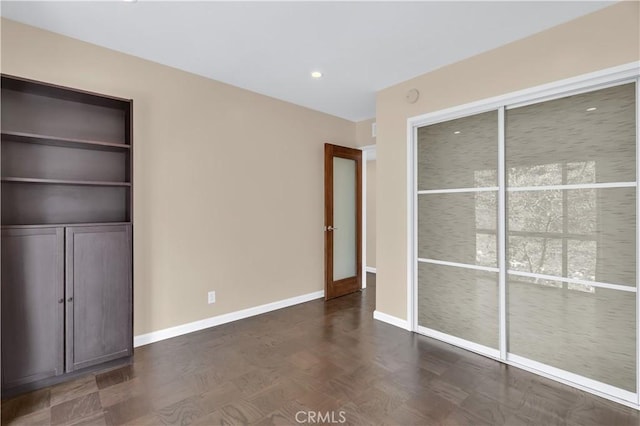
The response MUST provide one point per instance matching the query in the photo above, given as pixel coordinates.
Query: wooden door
(32, 305)
(343, 220)
(98, 284)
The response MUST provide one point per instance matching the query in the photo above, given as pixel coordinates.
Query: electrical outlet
(212, 297)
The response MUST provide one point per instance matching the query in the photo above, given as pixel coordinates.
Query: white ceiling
(271, 47)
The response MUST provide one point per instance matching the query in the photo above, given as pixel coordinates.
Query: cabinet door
(32, 305)
(98, 287)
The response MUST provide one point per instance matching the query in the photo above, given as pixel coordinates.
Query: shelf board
(54, 225)
(21, 84)
(63, 142)
(64, 182)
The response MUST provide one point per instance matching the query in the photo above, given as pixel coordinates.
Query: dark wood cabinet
(32, 305)
(66, 215)
(98, 290)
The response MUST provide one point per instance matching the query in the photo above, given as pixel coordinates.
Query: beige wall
(600, 40)
(371, 213)
(228, 183)
(363, 133)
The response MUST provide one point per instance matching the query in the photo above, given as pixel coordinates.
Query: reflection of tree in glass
(536, 175)
(535, 218)
(485, 178)
(486, 254)
(582, 211)
(550, 232)
(581, 172)
(486, 225)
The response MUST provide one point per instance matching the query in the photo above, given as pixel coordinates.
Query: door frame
(583, 83)
(331, 151)
(368, 154)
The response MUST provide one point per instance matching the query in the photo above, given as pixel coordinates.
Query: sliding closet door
(571, 235)
(457, 268)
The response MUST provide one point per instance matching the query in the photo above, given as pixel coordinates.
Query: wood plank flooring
(316, 357)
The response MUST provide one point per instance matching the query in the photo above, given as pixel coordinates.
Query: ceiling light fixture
(457, 132)
(591, 109)
(316, 74)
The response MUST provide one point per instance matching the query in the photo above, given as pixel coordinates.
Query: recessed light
(316, 74)
(591, 109)
(457, 132)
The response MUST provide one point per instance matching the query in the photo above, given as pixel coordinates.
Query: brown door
(343, 220)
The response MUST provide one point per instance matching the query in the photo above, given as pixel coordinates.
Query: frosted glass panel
(344, 218)
(588, 234)
(458, 227)
(590, 332)
(461, 153)
(460, 302)
(584, 138)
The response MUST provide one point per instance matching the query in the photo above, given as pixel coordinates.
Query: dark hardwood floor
(316, 357)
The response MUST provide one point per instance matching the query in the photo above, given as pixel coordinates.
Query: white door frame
(587, 82)
(368, 154)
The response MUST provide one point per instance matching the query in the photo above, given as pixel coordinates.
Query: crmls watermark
(321, 417)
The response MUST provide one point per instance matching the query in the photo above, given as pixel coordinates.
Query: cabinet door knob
(70, 299)
(60, 300)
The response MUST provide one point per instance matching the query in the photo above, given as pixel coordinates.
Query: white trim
(390, 319)
(502, 239)
(167, 333)
(609, 286)
(412, 214)
(573, 186)
(575, 380)
(412, 305)
(368, 154)
(465, 344)
(363, 241)
(638, 238)
(589, 80)
(452, 191)
(453, 113)
(459, 265)
(370, 150)
(371, 269)
(579, 90)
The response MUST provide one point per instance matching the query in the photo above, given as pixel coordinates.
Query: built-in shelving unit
(66, 155)
(66, 215)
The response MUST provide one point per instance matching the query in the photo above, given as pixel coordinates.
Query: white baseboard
(167, 333)
(371, 269)
(390, 319)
